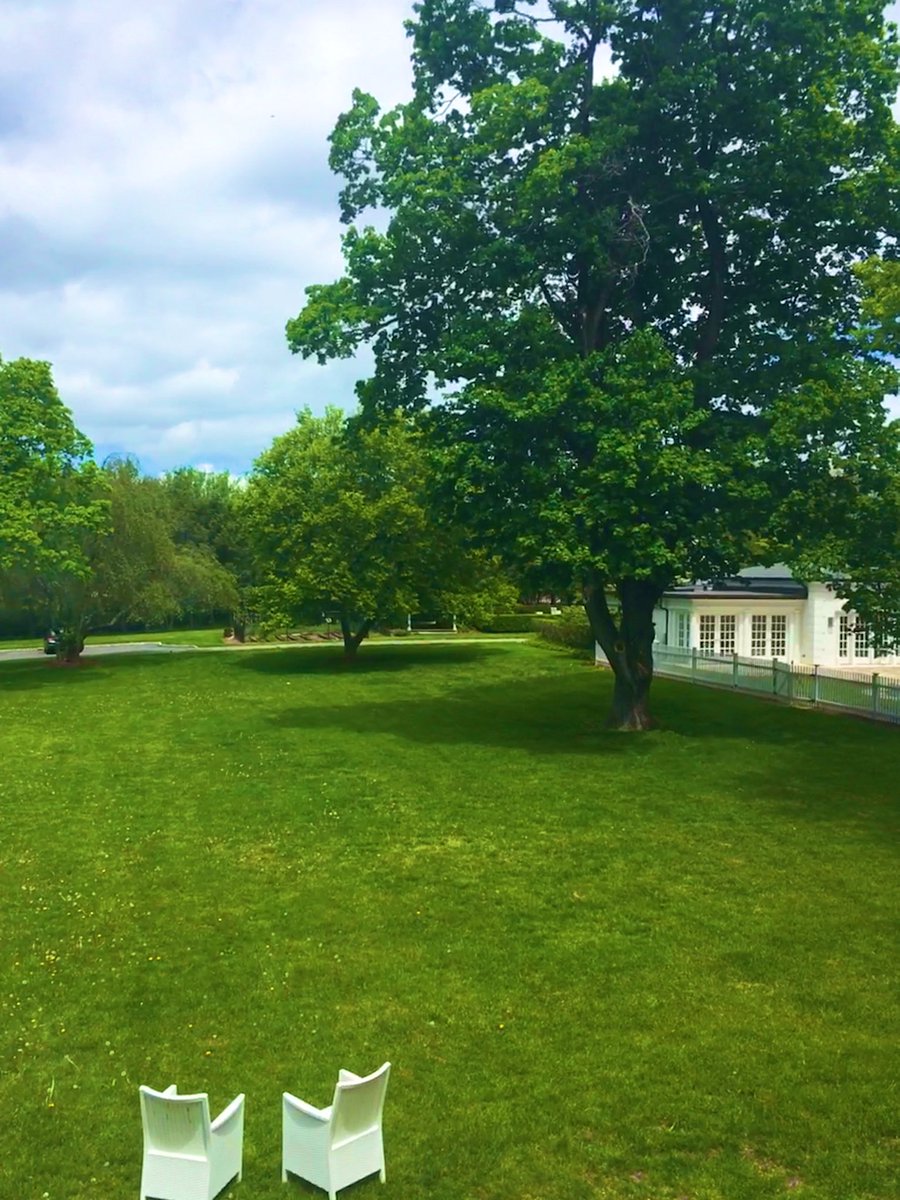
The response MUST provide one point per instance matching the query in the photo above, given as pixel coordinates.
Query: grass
(603, 965)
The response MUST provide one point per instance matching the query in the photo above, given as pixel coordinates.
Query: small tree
(342, 518)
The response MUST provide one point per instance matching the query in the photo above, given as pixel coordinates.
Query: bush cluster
(508, 623)
(571, 628)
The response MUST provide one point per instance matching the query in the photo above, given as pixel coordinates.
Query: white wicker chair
(187, 1156)
(335, 1146)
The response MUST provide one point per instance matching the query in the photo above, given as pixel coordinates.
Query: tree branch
(718, 269)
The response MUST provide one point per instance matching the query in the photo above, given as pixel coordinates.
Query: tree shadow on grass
(378, 659)
(32, 674)
(536, 716)
(23, 675)
(529, 714)
(797, 761)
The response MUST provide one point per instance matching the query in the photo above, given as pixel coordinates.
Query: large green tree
(633, 293)
(135, 570)
(855, 543)
(50, 492)
(205, 511)
(343, 518)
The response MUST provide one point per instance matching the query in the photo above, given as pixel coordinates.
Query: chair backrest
(358, 1103)
(175, 1124)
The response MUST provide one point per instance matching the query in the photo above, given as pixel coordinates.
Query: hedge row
(508, 623)
(571, 629)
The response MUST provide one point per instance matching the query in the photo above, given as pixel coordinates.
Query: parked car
(51, 642)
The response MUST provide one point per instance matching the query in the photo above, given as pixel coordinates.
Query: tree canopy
(857, 520)
(633, 295)
(50, 491)
(342, 519)
(134, 569)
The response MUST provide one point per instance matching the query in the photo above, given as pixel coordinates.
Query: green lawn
(642, 966)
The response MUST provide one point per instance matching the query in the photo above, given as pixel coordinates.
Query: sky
(165, 198)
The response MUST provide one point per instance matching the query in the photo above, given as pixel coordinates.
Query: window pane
(707, 633)
(726, 635)
(861, 640)
(758, 627)
(682, 630)
(779, 637)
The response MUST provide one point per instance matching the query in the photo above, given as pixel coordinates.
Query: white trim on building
(809, 626)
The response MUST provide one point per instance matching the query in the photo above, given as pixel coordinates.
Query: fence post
(815, 695)
(694, 663)
(790, 686)
(774, 676)
(734, 670)
(875, 679)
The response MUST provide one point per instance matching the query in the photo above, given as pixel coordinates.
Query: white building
(763, 612)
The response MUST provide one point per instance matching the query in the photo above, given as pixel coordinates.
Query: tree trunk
(352, 640)
(627, 642)
(71, 644)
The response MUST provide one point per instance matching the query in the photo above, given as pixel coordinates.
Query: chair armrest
(234, 1109)
(306, 1110)
(345, 1076)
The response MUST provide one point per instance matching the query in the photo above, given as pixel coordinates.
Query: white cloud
(164, 200)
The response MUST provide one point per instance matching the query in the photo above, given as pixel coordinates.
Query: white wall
(810, 638)
(742, 609)
(826, 607)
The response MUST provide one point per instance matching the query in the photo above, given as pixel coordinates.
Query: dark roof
(769, 583)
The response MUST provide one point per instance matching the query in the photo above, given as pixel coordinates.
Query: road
(100, 648)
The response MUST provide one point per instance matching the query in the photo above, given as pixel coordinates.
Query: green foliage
(204, 512)
(344, 517)
(476, 586)
(134, 571)
(880, 280)
(858, 551)
(206, 526)
(83, 547)
(637, 296)
(51, 495)
(507, 623)
(571, 628)
(338, 518)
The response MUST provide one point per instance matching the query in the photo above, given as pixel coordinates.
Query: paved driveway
(99, 648)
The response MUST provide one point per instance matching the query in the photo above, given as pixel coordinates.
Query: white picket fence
(866, 693)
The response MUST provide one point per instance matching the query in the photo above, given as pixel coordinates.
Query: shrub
(571, 628)
(507, 623)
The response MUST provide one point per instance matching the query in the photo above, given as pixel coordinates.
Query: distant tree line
(334, 517)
